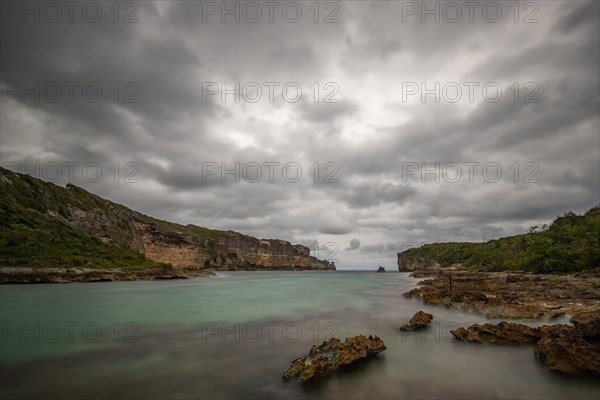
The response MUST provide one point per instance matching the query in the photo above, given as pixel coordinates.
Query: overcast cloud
(369, 198)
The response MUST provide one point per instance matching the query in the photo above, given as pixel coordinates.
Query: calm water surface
(234, 335)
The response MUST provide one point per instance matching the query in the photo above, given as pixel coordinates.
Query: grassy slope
(571, 243)
(29, 236)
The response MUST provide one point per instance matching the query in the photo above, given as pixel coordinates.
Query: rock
(418, 321)
(564, 349)
(331, 355)
(408, 262)
(561, 348)
(495, 295)
(555, 314)
(588, 324)
(380, 269)
(502, 333)
(522, 277)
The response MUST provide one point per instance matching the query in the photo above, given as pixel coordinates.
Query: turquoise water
(234, 335)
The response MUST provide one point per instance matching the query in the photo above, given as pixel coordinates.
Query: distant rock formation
(380, 269)
(418, 321)
(331, 355)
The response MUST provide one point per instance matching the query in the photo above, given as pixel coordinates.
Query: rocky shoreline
(22, 275)
(510, 295)
(570, 350)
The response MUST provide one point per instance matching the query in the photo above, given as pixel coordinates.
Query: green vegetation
(186, 229)
(35, 229)
(33, 234)
(34, 241)
(570, 244)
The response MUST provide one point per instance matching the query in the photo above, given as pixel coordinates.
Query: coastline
(28, 275)
(25, 275)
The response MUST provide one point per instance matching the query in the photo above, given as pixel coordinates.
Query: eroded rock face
(229, 251)
(418, 321)
(502, 333)
(331, 355)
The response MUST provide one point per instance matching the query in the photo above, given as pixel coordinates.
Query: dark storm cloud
(371, 194)
(584, 16)
(369, 134)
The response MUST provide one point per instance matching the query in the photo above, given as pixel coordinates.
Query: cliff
(44, 225)
(409, 262)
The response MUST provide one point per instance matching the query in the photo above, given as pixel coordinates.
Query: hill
(570, 244)
(43, 225)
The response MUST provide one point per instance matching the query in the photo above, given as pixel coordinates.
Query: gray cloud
(354, 244)
(364, 140)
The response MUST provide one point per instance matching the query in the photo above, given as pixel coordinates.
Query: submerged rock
(418, 321)
(332, 354)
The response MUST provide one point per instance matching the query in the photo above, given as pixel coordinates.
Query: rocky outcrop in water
(331, 355)
(502, 333)
(503, 295)
(380, 269)
(566, 350)
(418, 321)
(562, 348)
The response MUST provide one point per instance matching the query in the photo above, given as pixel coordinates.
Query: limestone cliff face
(229, 251)
(190, 246)
(409, 262)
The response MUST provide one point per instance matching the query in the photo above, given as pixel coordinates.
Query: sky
(357, 128)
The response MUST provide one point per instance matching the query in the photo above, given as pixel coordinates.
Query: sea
(233, 336)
